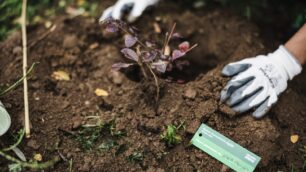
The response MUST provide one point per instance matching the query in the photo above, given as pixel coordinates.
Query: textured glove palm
(258, 81)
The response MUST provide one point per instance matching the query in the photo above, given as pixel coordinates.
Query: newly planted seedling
(170, 136)
(146, 54)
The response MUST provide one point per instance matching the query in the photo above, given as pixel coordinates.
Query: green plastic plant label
(225, 150)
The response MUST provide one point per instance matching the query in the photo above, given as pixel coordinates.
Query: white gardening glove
(259, 81)
(137, 8)
(5, 120)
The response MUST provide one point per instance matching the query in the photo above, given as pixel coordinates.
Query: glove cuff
(287, 61)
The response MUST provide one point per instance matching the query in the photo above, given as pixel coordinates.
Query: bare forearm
(297, 45)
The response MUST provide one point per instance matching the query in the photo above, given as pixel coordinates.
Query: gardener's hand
(5, 120)
(258, 81)
(137, 8)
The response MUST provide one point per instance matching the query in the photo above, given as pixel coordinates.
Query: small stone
(116, 77)
(76, 122)
(190, 93)
(87, 102)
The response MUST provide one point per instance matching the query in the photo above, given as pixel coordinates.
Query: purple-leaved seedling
(146, 54)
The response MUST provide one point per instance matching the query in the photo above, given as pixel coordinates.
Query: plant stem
(156, 83)
(195, 45)
(12, 87)
(25, 81)
(140, 63)
(15, 144)
(29, 165)
(168, 38)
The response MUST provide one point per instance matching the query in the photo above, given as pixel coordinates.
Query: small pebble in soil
(190, 93)
(76, 122)
(115, 77)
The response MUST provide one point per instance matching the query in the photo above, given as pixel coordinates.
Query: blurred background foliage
(282, 16)
(41, 10)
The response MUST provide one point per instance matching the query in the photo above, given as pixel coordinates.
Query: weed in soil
(170, 136)
(147, 55)
(107, 145)
(88, 135)
(136, 157)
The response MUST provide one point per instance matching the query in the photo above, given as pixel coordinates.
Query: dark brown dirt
(63, 105)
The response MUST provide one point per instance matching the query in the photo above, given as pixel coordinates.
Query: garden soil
(80, 47)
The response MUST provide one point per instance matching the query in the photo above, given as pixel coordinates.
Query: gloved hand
(138, 6)
(5, 120)
(258, 81)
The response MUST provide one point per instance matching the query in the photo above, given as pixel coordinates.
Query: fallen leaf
(294, 138)
(60, 75)
(38, 157)
(100, 92)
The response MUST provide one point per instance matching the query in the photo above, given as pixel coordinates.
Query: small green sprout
(107, 145)
(135, 157)
(170, 136)
(88, 136)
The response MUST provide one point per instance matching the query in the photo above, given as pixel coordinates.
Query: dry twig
(25, 83)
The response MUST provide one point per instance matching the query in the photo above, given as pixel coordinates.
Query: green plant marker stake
(225, 150)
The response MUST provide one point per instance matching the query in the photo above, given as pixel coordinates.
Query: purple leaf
(130, 54)
(130, 41)
(118, 66)
(177, 54)
(160, 66)
(111, 27)
(148, 56)
(184, 47)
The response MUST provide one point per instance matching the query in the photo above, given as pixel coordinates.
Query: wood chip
(60, 75)
(93, 46)
(157, 28)
(294, 138)
(38, 157)
(101, 92)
